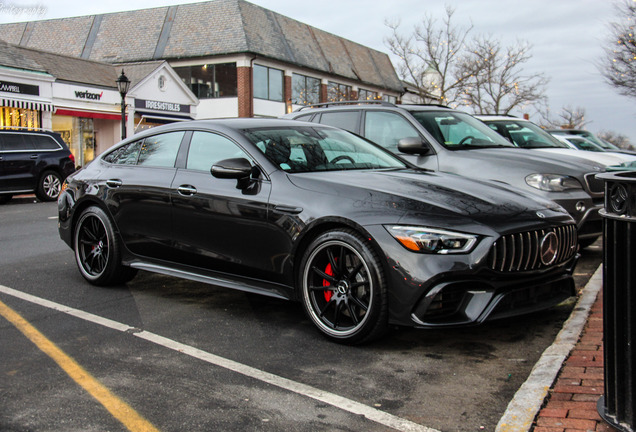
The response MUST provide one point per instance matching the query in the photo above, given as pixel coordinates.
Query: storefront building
(238, 59)
(87, 117)
(25, 98)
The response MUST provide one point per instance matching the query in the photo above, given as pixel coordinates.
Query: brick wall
(244, 89)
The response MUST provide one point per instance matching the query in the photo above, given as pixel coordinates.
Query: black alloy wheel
(50, 186)
(343, 287)
(97, 249)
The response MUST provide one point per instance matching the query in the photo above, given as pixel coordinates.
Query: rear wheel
(49, 186)
(343, 287)
(97, 250)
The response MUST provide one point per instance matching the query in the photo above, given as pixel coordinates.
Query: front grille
(522, 251)
(594, 185)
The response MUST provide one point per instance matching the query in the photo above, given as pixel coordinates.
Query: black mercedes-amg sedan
(308, 212)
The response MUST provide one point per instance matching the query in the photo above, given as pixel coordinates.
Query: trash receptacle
(616, 406)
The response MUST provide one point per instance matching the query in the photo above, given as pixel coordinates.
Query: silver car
(443, 139)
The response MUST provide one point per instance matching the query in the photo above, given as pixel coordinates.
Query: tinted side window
(207, 148)
(43, 142)
(125, 155)
(160, 150)
(14, 142)
(387, 128)
(347, 120)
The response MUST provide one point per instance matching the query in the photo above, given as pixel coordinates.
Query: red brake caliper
(326, 283)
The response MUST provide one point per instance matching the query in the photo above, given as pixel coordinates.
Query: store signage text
(161, 106)
(11, 87)
(88, 95)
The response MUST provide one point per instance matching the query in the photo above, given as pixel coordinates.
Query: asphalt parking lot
(186, 356)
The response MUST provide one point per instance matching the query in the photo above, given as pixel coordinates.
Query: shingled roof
(63, 68)
(202, 30)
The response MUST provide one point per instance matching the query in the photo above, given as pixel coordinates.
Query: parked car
(443, 139)
(608, 146)
(307, 212)
(33, 161)
(579, 143)
(524, 133)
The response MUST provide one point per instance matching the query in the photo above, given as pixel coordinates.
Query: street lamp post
(122, 85)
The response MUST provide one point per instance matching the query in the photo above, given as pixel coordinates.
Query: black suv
(443, 139)
(33, 161)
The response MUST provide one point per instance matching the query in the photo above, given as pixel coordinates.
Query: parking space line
(332, 399)
(119, 409)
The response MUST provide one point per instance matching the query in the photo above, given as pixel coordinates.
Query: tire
(347, 303)
(49, 186)
(5, 198)
(97, 249)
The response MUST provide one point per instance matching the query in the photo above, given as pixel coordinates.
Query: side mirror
(237, 168)
(413, 145)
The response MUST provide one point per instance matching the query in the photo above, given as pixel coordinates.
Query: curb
(525, 405)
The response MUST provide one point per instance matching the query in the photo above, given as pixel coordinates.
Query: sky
(567, 37)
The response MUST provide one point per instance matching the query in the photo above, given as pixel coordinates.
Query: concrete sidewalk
(563, 388)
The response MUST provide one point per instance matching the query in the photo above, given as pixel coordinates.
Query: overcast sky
(566, 36)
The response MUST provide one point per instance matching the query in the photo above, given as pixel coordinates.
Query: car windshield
(458, 131)
(308, 149)
(585, 144)
(524, 134)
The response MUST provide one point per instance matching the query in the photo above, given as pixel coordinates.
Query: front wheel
(49, 186)
(97, 250)
(343, 287)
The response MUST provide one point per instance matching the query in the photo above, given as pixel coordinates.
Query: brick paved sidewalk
(571, 403)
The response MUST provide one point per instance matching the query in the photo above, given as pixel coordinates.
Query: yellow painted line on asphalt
(119, 409)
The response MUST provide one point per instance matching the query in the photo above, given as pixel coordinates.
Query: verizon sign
(88, 95)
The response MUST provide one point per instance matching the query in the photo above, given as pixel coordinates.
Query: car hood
(601, 158)
(499, 162)
(442, 198)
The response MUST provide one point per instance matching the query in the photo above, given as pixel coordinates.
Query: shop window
(210, 81)
(207, 148)
(367, 95)
(268, 83)
(305, 90)
(17, 117)
(389, 98)
(338, 92)
(79, 134)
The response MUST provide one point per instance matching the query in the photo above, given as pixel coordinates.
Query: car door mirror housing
(236, 168)
(413, 145)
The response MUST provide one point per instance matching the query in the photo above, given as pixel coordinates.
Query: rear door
(18, 158)
(138, 180)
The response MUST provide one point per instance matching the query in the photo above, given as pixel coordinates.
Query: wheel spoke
(321, 288)
(359, 302)
(333, 262)
(324, 275)
(354, 272)
(354, 317)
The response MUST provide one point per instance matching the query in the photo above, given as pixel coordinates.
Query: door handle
(113, 183)
(34, 156)
(187, 190)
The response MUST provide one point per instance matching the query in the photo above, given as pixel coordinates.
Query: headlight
(552, 182)
(431, 240)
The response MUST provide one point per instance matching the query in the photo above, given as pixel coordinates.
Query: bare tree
(617, 139)
(429, 57)
(496, 83)
(619, 62)
(568, 118)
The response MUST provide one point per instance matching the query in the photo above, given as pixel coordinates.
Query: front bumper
(456, 290)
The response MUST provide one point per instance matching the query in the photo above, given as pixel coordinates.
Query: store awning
(26, 104)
